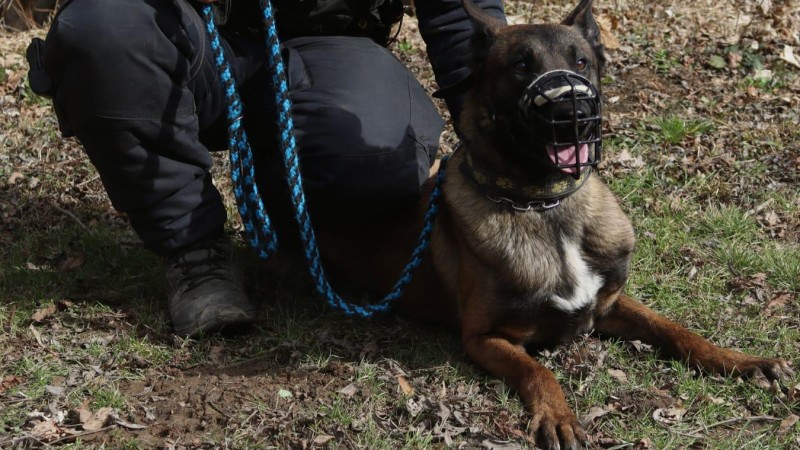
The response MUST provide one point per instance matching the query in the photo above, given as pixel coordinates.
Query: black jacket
(444, 26)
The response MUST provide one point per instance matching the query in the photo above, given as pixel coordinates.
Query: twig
(75, 436)
(217, 409)
(73, 216)
(87, 181)
(734, 420)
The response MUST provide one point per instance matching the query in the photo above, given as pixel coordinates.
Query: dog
(530, 248)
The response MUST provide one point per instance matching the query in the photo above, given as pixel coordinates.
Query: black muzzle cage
(562, 108)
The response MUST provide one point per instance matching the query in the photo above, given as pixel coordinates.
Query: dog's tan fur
(499, 276)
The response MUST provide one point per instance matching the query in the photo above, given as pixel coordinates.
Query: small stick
(734, 420)
(75, 436)
(217, 409)
(73, 216)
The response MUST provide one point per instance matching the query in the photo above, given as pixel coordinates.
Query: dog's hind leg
(631, 320)
(552, 418)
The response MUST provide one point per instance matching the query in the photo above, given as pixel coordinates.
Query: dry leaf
(669, 416)
(44, 313)
(444, 414)
(794, 394)
(9, 381)
(787, 423)
(12, 179)
(618, 375)
(734, 59)
(414, 407)
(81, 414)
(322, 439)
(405, 386)
(98, 419)
(36, 335)
(46, 430)
(713, 400)
(625, 158)
(788, 56)
(607, 36)
(349, 390)
(763, 74)
(54, 390)
(780, 300)
(492, 444)
(71, 263)
(594, 413)
(766, 6)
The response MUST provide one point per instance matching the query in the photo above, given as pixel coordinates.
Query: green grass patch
(672, 130)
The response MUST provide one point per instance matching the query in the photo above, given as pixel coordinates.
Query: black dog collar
(523, 195)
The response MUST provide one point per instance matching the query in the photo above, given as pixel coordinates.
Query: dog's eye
(581, 64)
(521, 66)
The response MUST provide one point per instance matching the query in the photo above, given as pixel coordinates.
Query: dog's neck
(522, 194)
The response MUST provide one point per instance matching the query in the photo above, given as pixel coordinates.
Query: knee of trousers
(123, 59)
(122, 71)
(367, 131)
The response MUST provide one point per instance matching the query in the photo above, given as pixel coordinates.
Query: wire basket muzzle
(564, 113)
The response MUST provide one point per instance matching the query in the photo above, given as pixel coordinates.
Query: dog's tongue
(565, 154)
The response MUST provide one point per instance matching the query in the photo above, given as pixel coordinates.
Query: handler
(135, 82)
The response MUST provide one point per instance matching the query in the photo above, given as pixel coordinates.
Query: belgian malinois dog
(530, 248)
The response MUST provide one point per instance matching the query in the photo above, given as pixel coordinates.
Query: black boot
(205, 289)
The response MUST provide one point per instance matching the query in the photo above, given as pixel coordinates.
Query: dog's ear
(486, 28)
(581, 18)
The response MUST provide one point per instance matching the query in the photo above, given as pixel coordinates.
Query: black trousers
(135, 82)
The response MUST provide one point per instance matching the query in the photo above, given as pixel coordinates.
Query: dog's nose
(569, 111)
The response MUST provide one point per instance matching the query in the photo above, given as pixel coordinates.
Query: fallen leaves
(59, 427)
(404, 385)
(618, 375)
(669, 416)
(9, 381)
(594, 413)
(787, 424)
(322, 439)
(608, 24)
(788, 55)
(794, 393)
(42, 314)
(349, 390)
(93, 421)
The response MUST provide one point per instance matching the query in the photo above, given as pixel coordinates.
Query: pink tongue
(565, 154)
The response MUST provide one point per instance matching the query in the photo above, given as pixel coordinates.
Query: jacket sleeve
(446, 29)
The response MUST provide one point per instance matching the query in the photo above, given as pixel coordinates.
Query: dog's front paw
(773, 369)
(556, 427)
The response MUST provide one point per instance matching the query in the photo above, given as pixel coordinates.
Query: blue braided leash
(258, 229)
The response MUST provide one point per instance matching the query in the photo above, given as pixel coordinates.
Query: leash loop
(258, 229)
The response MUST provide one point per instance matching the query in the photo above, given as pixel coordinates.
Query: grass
(673, 129)
(663, 61)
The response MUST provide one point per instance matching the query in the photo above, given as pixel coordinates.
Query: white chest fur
(586, 282)
(559, 275)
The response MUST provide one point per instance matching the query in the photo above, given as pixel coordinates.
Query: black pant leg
(133, 82)
(367, 131)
